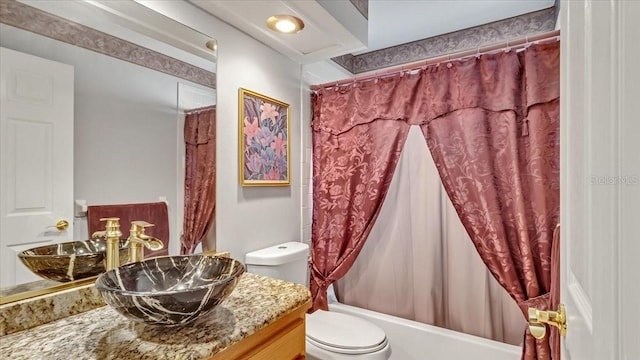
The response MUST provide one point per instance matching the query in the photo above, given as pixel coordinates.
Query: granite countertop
(30, 286)
(105, 334)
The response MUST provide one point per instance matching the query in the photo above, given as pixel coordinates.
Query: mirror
(135, 73)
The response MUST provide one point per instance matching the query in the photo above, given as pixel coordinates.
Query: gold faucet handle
(112, 228)
(138, 226)
(141, 223)
(113, 223)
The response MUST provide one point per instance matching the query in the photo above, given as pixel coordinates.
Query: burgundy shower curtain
(491, 124)
(200, 176)
(352, 173)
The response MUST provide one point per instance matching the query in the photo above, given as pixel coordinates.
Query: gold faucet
(112, 235)
(138, 240)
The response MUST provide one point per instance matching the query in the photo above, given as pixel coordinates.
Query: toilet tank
(287, 261)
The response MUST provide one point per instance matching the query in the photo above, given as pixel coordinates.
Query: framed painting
(264, 140)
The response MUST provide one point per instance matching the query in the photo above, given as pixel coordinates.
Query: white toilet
(330, 335)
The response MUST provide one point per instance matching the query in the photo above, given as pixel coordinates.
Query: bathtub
(411, 340)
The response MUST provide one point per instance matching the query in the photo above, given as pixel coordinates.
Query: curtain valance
(503, 81)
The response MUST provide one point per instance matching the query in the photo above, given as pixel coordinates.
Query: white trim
(581, 299)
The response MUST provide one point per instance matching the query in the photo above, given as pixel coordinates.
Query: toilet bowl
(336, 336)
(330, 335)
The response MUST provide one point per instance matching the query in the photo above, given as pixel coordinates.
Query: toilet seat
(344, 334)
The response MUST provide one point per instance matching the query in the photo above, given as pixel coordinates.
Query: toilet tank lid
(278, 254)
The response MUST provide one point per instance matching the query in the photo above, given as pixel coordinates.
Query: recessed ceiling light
(286, 24)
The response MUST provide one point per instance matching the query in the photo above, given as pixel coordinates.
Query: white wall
(247, 218)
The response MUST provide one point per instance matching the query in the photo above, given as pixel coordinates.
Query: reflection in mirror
(92, 113)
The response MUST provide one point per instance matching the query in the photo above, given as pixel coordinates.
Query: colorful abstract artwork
(264, 140)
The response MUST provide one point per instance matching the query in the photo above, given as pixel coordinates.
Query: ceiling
(394, 22)
(331, 27)
(336, 27)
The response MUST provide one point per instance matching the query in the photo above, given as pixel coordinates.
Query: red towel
(155, 213)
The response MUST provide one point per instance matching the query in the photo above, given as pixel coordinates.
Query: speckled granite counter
(104, 334)
(31, 312)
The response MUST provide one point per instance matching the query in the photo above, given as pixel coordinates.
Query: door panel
(36, 159)
(629, 263)
(600, 183)
(29, 185)
(575, 147)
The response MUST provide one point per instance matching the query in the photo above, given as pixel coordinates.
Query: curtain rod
(197, 110)
(509, 44)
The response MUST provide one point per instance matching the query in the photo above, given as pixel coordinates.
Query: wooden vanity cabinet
(284, 339)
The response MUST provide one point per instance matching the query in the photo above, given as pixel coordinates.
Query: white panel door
(600, 179)
(36, 157)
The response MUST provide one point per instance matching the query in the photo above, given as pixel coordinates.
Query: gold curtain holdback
(539, 319)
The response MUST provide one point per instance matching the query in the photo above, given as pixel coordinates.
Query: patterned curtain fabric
(501, 170)
(352, 173)
(492, 126)
(200, 176)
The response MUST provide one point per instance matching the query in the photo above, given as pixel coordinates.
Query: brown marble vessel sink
(170, 290)
(70, 261)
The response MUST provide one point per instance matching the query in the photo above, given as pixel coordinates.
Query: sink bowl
(70, 261)
(170, 290)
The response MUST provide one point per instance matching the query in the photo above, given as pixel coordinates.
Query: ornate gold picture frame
(264, 140)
